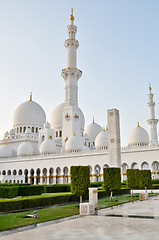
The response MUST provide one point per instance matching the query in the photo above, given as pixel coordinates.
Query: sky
(118, 55)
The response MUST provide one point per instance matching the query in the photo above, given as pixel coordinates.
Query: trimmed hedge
(155, 181)
(57, 188)
(96, 184)
(80, 180)
(111, 179)
(8, 192)
(34, 202)
(30, 190)
(103, 193)
(155, 186)
(145, 179)
(133, 178)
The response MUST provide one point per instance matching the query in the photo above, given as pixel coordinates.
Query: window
(36, 130)
(32, 129)
(17, 129)
(56, 134)
(60, 133)
(20, 129)
(24, 129)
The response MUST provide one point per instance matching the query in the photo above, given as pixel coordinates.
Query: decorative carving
(76, 116)
(67, 116)
(111, 140)
(111, 113)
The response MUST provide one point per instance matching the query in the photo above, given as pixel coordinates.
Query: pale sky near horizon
(118, 55)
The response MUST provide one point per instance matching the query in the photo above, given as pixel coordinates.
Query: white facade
(39, 152)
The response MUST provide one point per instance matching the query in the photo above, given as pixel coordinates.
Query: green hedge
(80, 180)
(57, 188)
(155, 181)
(133, 178)
(103, 193)
(30, 190)
(155, 186)
(8, 192)
(111, 178)
(34, 202)
(145, 179)
(96, 184)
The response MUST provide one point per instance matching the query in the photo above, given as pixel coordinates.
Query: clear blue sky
(118, 54)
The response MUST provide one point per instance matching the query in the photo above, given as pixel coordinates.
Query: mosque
(38, 152)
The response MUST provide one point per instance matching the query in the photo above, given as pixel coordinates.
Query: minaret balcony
(71, 42)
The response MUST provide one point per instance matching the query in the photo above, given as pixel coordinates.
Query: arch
(3, 172)
(145, 166)
(20, 172)
(124, 168)
(51, 171)
(134, 165)
(32, 176)
(58, 172)
(97, 170)
(26, 175)
(42, 138)
(105, 166)
(38, 175)
(50, 137)
(44, 176)
(14, 172)
(9, 172)
(155, 170)
(65, 175)
(90, 169)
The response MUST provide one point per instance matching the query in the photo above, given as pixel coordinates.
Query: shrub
(112, 178)
(8, 192)
(57, 188)
(80, 180)
(145, 179)
(155, 181)
(155, 186)
(96, 184)
(133, 178)
(30, 190)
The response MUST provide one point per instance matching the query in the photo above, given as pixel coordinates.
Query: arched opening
(26, 175)
(32, 176)
(155, 170)
(9, 172)
(42, 138)
(134, 165)
(20, 172)
(90, 169)
(38, 176)
(105, 166)
(124, 168)
(51, 175)
(65, 175)
(14, 172)
(97, 170)
(145, 166)
(3, 172)
(58, 171)
(44, 176)
(50, 137)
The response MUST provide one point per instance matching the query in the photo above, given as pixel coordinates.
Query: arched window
(50, 137)
(65, 175)
(58, 172)
(38, 176)
(20, 172)
(32, 129)
(51, 175)
(44, 176)
(36, 130)
(60, 134)
(20, 129)
(43, 138)
(26, 175)
(24, 129)
(56, 134)
(32, 176)
(14, 172)
(9, 172)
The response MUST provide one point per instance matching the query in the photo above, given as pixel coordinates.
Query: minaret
(71, 74)
(71, 112)
(152, 121)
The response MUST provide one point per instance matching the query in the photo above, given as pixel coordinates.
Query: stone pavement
(130, 221)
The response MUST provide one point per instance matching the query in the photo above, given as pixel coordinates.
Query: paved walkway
(130, 221)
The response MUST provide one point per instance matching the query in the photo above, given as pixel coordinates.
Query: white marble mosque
(39, 152)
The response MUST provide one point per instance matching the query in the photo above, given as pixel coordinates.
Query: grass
(14, 220)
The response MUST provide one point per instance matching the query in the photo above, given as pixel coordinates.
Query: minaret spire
(152, 121)
(71, 17)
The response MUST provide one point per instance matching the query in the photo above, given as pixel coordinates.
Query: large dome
(56, 117)
(92, 130)
(101, 141)
(29, 113)
(139, 136)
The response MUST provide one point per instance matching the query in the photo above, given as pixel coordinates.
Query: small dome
(138, 137)
(30, 113)
(56, 117)
(6, 134)
(5, 151)
(74, 144)
(48, 147)
(47, 125)
(12, 132)
(92, 130)
(25, 149)
(28, 131)
(101, 141)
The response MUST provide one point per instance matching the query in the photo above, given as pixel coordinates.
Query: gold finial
(71, 16)
(103, 129)
(25, 140)
(106, 127)
(74, 134)
(138, 124)
(93, 119)
(48, 137)
(150, 87)
(31, 96)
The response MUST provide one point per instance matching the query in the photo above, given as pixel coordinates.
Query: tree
(80, 180)
(111, 179)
